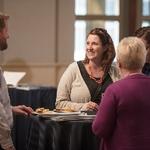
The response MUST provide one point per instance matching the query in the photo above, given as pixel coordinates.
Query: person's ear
(118, 64)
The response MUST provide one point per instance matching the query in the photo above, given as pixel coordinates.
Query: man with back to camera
(6, 118)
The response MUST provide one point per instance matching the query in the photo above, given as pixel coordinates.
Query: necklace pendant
(97, 80)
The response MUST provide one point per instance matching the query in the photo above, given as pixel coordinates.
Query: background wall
(41, 41)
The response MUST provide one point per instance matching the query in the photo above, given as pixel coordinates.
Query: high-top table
(46, 134)
(33, 96)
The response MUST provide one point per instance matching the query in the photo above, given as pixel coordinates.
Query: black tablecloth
(30, 96)
(46, 134)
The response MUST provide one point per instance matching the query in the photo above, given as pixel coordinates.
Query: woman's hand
(90, 106)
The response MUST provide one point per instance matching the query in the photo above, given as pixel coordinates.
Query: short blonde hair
(131, 53)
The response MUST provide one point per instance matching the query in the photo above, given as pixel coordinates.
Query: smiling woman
(83, 83)
(96, 13)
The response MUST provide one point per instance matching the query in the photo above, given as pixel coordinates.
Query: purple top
(123, 118)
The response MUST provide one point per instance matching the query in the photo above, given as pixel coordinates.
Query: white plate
(73, 117)
(52, 113)
(68, 113)
(83, 116)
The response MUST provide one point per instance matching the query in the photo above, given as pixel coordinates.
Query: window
(145, 17)
(91, 14)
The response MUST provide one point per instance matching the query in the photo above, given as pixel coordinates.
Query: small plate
(84, 116)
(68, 113)
(52, 113)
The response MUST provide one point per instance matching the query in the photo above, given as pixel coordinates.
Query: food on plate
(42, 110)
(64, 110)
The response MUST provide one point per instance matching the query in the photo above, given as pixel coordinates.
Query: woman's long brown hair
(109, 54)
